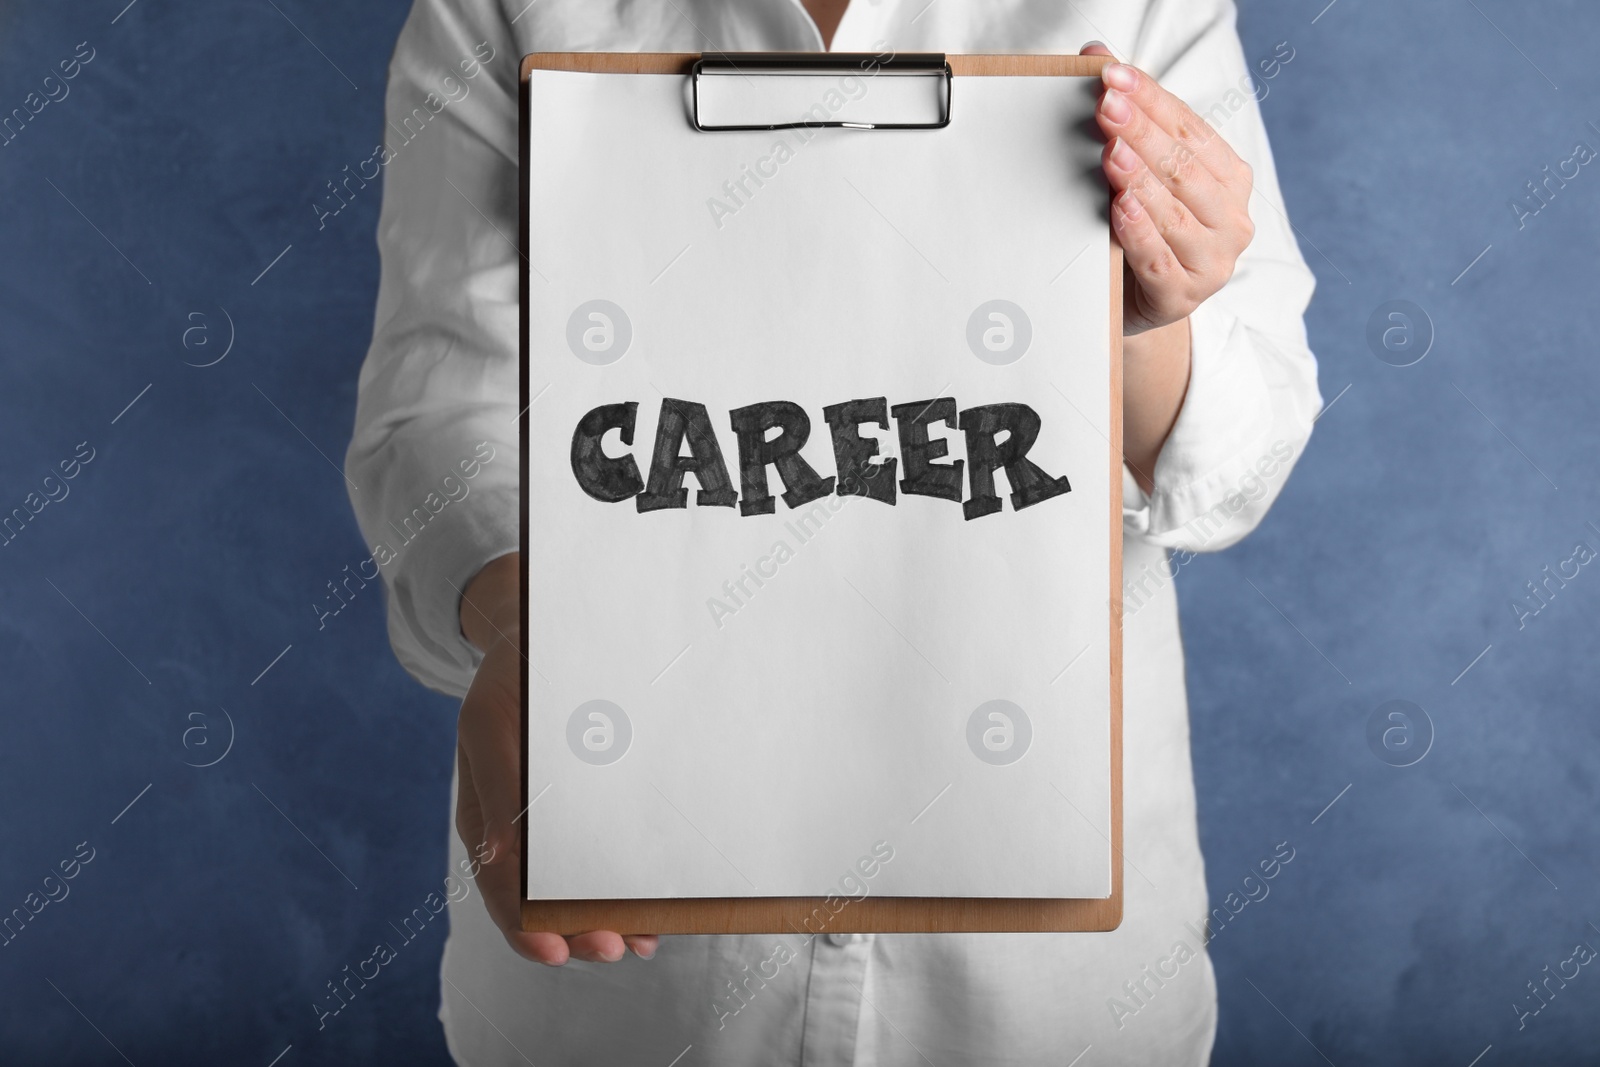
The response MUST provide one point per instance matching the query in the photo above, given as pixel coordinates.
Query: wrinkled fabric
(438, 398)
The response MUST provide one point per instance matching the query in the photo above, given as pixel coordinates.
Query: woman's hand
(1181, 209)
(489, 761)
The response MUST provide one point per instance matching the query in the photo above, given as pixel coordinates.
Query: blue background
(191, 549)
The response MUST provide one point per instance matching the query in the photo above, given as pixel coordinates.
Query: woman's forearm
(1155, 377)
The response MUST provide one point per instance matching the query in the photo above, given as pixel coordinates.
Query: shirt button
(846, 939)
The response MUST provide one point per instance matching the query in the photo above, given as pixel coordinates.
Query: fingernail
(1123, 157)
(1121, 76)
(1091, 44)
(645, 955)
(1131, 208)
(1115, 107)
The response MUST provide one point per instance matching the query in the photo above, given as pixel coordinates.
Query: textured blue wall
(188, 553)
(1422, 902)
(140, 609)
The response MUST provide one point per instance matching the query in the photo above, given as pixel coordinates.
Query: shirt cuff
(431, 572)
(1208, 488)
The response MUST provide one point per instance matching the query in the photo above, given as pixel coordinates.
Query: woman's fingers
(1163, 283)
(1189, 241)
(1187, 136)
(487, 809)
(1149, 216)
(605, 946)
(501, 886)
(1181, 204)
(1164, 157)
(597, 946)
(499, 879)
(489, 773)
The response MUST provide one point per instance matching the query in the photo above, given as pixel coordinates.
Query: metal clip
(919, 64)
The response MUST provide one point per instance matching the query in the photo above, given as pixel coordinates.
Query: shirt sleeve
(1252, 395)
(434, 454)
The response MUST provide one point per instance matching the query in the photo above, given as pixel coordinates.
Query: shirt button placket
(833, 998)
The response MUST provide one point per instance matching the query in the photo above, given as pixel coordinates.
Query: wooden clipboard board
(870, 914)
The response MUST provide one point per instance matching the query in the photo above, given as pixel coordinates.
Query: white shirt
(438, 398)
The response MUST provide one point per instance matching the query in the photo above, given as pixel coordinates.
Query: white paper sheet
(767, 747)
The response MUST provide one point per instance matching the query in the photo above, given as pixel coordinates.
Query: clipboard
(870, 913)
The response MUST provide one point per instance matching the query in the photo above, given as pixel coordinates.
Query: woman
(1220, 395)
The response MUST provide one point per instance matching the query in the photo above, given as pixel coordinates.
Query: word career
(997, 436)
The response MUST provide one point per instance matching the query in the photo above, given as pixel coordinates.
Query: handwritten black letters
(998, 436)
